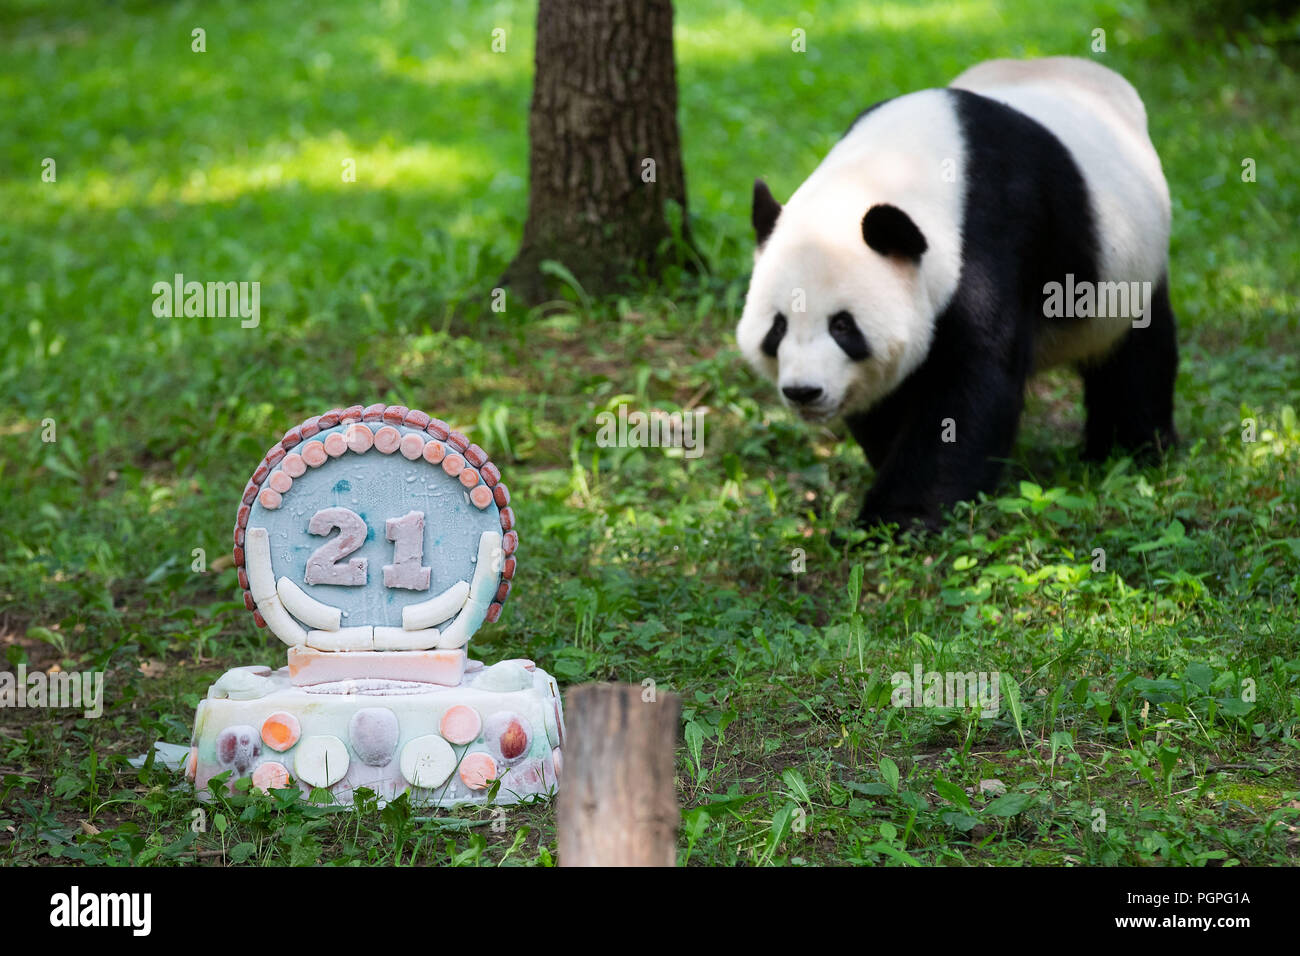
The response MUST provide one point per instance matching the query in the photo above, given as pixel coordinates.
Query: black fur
(764, 211)
(891, 232)
(1028, 221)
(844, 330)
(772, 341)
(1129, 393)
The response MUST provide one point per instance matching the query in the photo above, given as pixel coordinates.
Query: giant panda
(943, 251)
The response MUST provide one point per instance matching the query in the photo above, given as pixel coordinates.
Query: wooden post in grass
(618, 800)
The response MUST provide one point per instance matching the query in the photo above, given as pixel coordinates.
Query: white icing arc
(306, 608)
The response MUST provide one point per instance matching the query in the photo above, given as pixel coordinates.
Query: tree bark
(605, 151)
(618, 796)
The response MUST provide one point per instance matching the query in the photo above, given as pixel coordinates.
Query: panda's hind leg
(1129, 393)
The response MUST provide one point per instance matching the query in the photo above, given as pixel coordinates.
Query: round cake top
(425, 546)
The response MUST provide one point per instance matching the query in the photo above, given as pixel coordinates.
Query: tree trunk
(618, 797)
(605, 151)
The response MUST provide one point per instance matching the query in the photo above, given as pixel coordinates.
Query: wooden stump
(618, 801)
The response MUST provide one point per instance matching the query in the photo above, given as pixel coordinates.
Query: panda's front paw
(906, 517)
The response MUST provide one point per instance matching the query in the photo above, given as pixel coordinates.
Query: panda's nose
(802, 394)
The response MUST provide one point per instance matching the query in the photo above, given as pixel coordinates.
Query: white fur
(910, 153)
(894, 155)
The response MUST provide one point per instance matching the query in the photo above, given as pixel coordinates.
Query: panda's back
(1100, 119)
(1068, 75)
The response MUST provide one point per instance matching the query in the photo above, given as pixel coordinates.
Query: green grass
(1128, 707)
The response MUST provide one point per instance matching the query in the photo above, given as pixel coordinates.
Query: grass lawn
(1149, 711)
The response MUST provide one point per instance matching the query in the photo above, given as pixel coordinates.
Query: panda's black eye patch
(848, 336)
(772, 341)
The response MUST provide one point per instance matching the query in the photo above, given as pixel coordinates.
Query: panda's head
(837, 314)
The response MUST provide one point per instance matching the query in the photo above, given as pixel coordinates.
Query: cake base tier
(444, 745)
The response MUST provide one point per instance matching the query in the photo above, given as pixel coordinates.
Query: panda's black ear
(891, 232)
(765, 211)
